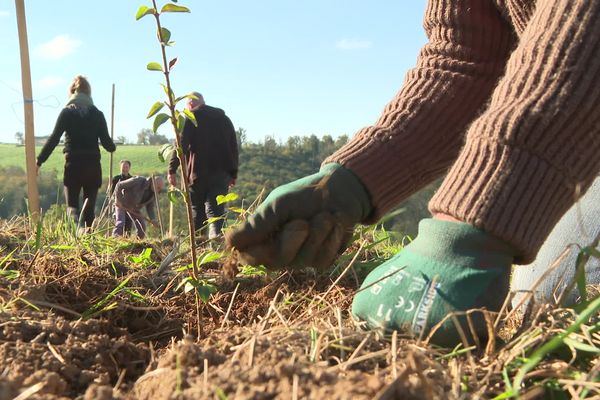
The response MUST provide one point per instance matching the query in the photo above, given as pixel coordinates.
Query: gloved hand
(450, 266)
(303, 223)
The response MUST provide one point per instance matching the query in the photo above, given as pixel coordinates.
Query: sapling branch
(177, 128)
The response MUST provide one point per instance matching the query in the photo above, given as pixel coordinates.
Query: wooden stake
(112, 135)
(172, 213)
(162, 233)
(170, 219)
(32, 189)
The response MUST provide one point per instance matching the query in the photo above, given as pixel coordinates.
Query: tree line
(264, 165)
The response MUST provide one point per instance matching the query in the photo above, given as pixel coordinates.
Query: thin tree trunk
(32, 188)
(112, 136)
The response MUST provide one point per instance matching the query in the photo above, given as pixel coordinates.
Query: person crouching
(131, 196)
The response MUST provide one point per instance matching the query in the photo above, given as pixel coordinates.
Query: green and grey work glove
(307, 222)
(450, 266)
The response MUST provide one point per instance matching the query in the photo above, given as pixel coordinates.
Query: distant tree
(143, 136)
(240, 133)
(326, 147)
(122, 139)
(148, 137)
(311, 144)
(341, 140)
(293, 144)
(20, 138)
(270, 145)
(155, 138)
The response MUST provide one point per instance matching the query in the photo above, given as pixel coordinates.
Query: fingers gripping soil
(272, 216)
(279, 251)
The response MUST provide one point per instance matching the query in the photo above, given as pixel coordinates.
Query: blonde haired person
(83, 125)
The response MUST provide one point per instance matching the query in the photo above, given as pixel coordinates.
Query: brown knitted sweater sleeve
(537, 145)
(422, 129)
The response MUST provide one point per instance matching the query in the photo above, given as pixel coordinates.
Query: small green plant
(222, 199)
(582, 258)
(221, 394)
(250, 270)
(314, 341)
(10, 274)
(177, 118)
(554, 343)
(5, 262)
(144, 260)
(105, 303)
(135, 295)
(207, 257)
(202, 287)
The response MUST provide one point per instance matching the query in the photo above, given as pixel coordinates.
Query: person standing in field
(122, 220)
(131, 196)
(505, 101)
(212, 155)
(83, 125)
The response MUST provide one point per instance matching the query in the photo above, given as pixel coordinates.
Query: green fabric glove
(450, 266)
(303, 223)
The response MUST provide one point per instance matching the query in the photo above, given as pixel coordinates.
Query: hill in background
(263, 165)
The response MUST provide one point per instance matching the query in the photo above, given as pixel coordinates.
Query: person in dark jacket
(212, 155)
(83, 125)
(121, 219)
(133, 194)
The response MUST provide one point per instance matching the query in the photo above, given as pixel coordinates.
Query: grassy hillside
(263, 165)
(144, 159)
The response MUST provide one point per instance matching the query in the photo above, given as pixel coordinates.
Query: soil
(66, 333)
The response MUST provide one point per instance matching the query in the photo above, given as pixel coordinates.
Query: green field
(144, 159)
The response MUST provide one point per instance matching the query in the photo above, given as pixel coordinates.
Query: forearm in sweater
(421, 130)
(536, 147)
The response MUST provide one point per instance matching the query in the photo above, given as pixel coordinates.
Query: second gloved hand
(303, 223)
(449, 267)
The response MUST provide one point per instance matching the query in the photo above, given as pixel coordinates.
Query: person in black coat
(83, 125)
(212, 156)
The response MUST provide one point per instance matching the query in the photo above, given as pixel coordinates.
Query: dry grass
(279, 336)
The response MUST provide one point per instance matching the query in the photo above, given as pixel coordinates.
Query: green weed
(144, 259)
(104, 305)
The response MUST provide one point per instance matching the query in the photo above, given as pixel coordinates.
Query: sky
(277, 67)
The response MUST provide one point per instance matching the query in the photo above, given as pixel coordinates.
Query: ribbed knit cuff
(460, 244)
(345, 184)
(507, 192)
(378, 171)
